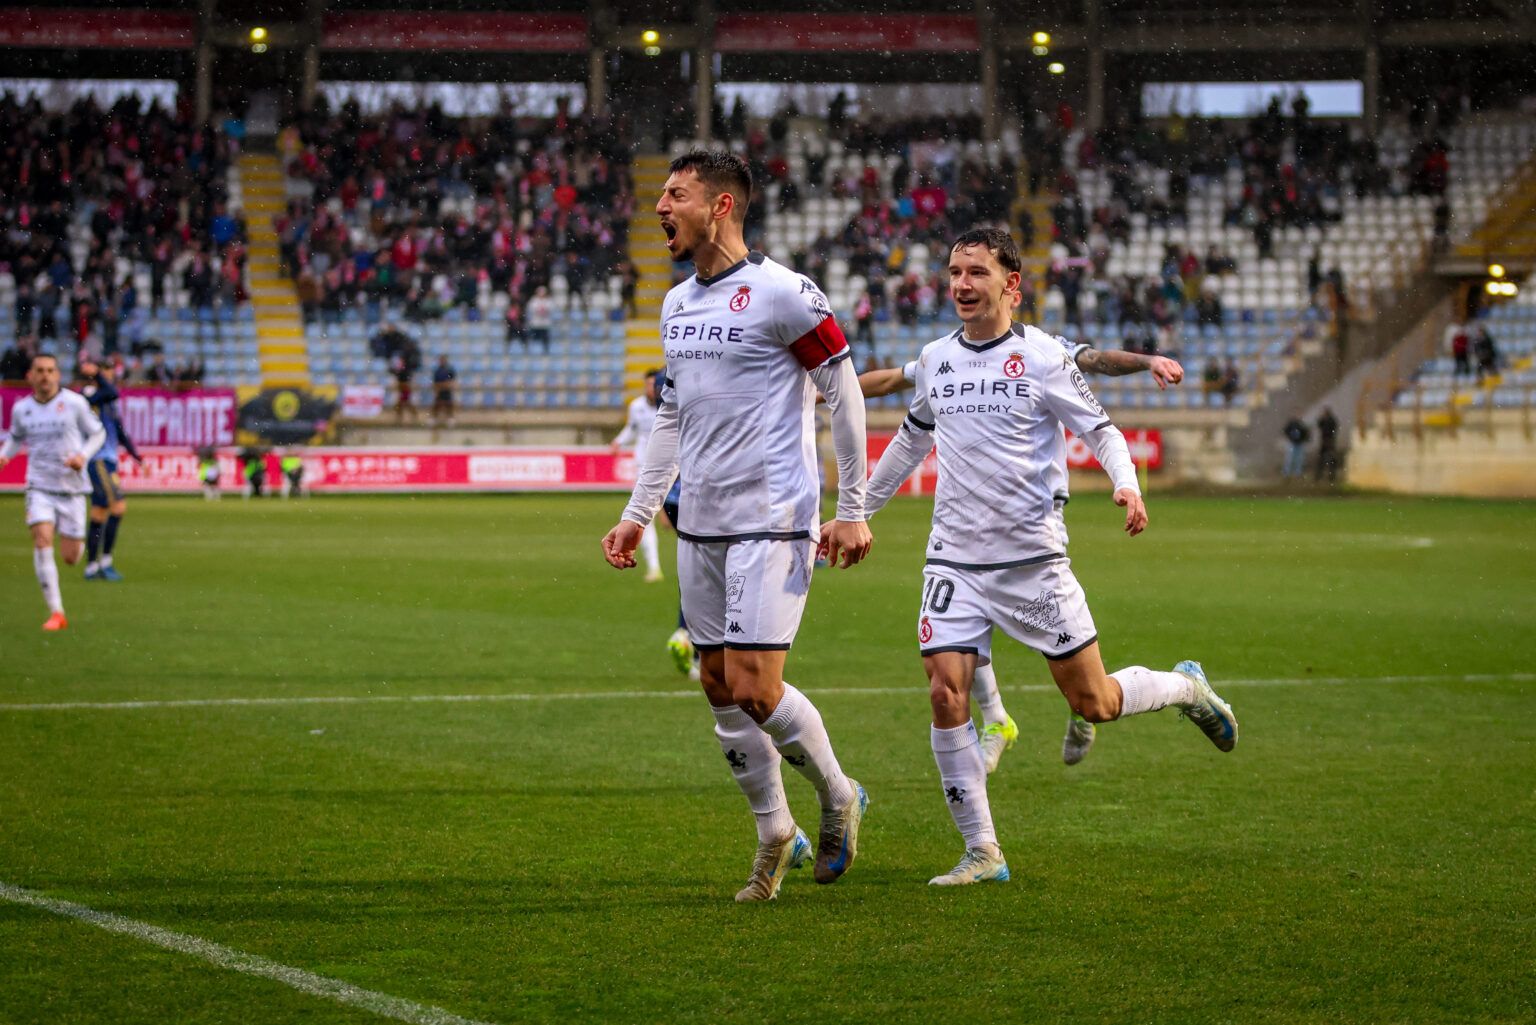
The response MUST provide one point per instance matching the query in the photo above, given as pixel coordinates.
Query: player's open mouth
(966, 305)
(671, 231)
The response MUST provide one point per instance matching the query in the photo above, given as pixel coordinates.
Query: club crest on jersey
(1042, 614)
(925, 630)
(740, 300)
(1014, 367)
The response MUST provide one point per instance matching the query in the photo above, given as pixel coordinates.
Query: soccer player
(636, 434)
(999, 731)
(994, 397)
(108, 506)
(748, 343)
(61, 435)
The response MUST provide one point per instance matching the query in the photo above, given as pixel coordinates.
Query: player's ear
(1012, 282)
(725, 205)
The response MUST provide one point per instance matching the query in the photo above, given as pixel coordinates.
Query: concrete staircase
(279, 323)
(1508, 233)
(648, 255)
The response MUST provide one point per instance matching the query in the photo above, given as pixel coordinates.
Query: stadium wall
(1496, 461)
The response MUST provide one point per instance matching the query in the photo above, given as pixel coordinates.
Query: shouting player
(994, 397)
(747, 344)
(61, 435)
(999, 731)
(635, 435)
(108, 506)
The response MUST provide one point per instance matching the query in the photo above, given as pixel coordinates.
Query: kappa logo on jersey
(1041, 614)
(678, 308)
(956, 795)
(925, 630)
(944, 368)
(735, 587)
(1085, 391)
(741, 299)
(1014, 367)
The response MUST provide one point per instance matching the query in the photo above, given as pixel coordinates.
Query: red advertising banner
(408, 30)
(416, 470)
(883, 33)
(97, 29)
(159, 416)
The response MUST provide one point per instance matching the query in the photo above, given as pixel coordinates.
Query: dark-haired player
(60, 434)
(999, 731)
(748, 343)
(994, 397)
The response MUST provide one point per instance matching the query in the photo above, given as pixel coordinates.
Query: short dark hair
(721, 171)
(41, 355)
(998, 242)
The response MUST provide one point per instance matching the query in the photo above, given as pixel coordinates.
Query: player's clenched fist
(850, 538)
(620, 543)
(1135, 510)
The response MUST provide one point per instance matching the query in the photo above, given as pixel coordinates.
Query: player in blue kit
(108, 506)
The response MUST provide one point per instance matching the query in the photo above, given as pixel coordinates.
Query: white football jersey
(637, 427)
(53, 431)
(996, 410)
(739, 347)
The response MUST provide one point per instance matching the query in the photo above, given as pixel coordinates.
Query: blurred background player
(745, 338)
(999, 730)
(636, 435)
(292, 467)
(60, 434)
(208, 472)
(108, 506)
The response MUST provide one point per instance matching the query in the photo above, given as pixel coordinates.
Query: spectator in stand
(158, 373)
(864, 329)
(1211, 378)
(629, 277)
(1296, 435)
(515, 329)
(1327, 446)
(1486, 351)
(1231, 381)
(403, 372)
(16, 360)
(444, 377)
(541, 317)
(1461, 349)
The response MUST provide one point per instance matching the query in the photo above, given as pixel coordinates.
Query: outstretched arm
(1118, 363)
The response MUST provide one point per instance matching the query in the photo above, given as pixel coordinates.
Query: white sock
(963, 775)
(106, 560)
(92, 567)
(1145, 690)
(755, 764)
(984, 690)
(48, 578)
(648, 548)
(800, 736)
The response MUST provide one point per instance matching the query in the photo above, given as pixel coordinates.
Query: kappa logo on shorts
(925, 630)
(1014, 367)
(1063, 638)
(734, 628)
(741, 299)
(735, 587)
(1042, 614)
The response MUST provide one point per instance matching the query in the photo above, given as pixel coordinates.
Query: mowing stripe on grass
(221, 956)
(629, 695)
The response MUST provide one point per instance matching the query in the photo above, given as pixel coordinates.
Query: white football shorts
(1040, 604)
(747, 595)
(65, 512)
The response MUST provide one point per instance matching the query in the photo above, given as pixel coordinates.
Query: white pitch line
(221, 956)
(631, 695)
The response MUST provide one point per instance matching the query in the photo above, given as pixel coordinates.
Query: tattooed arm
(1118, 363)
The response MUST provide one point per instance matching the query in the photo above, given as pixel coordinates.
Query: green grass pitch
(1367, 854)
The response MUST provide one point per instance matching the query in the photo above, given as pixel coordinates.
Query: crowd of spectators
(410, 213)
(142, 185)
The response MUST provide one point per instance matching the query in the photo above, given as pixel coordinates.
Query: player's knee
(948, 695)
(1097, 705)
(70, 556)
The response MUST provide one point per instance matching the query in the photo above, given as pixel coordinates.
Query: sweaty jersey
(996, 410)
(637, 427)
(53, 431)
(739, 347)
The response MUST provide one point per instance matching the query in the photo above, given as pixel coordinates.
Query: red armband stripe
(819, 344)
